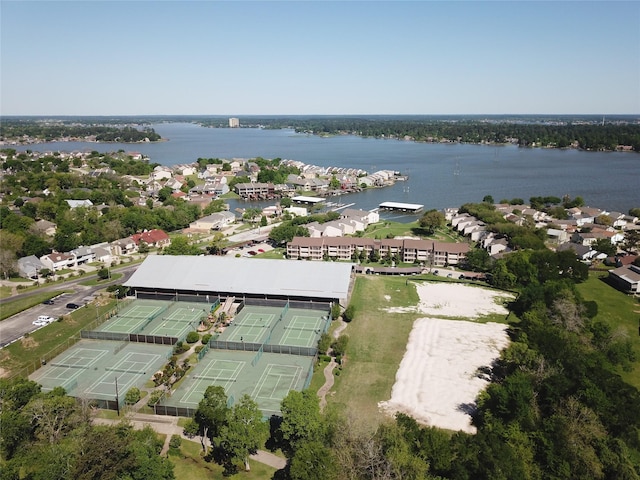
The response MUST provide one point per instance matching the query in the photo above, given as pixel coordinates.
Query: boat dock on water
(401, 207)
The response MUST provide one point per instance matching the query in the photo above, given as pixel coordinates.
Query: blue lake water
(440, 175)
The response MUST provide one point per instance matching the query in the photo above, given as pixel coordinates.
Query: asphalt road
(18, 325)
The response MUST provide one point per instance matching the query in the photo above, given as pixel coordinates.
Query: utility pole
(117, 397)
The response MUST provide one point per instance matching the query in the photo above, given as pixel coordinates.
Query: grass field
(620, 311)
(377, 343)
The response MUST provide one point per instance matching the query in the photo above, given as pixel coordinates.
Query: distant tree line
(587, 135)
(50, 132)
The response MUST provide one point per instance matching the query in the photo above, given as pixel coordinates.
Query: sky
(319, 57)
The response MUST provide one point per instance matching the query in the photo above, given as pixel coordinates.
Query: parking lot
(250, 251)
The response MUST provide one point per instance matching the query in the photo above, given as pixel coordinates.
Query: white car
(43, 320)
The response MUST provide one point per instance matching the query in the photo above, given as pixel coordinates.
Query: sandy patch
(438, 381)
(456, 300)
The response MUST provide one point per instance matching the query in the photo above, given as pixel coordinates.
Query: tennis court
(91, 368)
(134, 318)
(302, 330)
(267, 382)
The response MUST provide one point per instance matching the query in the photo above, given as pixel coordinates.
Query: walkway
(329, 379)
(168, 426)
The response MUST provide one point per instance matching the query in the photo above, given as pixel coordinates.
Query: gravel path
(329, 379)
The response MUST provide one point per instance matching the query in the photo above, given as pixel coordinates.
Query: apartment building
(408, 250)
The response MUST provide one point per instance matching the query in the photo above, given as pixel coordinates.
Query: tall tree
(244, 433)
(212, 413)
(301, 419)
(431, 220)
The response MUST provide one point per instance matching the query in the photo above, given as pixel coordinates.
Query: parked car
(73, 306)
(48, 302)
(43, 320)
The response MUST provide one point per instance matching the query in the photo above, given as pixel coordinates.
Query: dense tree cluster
(288, 229)
(119, 218)
(51, 436)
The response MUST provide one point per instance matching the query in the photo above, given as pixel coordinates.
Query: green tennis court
(131, 320)
(302, 331)
(267, 382)
(89, 369)
(188, 315)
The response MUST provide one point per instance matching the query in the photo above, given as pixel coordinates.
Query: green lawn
(620, 311)
(96, 281)
(188, 464)
(383, 229)
(377, 343)
(276, 253)
(5, 292)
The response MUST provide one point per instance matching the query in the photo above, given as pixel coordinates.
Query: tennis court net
(213, 379)
(259, 325)
(304, 329)
(134, 317)
(66, 365)
(124, 370)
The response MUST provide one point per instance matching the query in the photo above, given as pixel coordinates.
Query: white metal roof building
(257, 278)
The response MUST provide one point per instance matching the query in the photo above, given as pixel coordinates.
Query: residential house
(161, 172)
(123, 246)
(57, 261)
(83, 255)
(79, 203)
(102, 253)
(29, 267)
(297, 211)
(328, 229)
(186, 170)
(583, 252)
(626, 278)
(557, 235)
(154, 238)
(215, 221)
(367, 218)
(45, 227)
(173, 184)
(254, 190)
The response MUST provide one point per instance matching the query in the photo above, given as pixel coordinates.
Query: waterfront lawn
(386, 229)
(377, 343)
(620, 312)
(389, 229)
